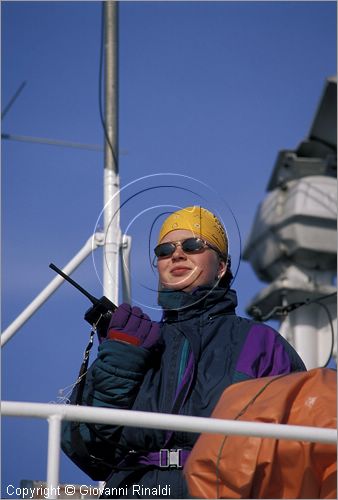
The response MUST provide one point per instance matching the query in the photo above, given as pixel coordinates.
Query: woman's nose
(178, 253)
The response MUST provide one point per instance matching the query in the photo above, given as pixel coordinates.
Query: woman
(180, 365)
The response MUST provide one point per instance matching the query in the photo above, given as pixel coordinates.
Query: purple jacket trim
(186, 375)
(189, 372)
(160, 458)
(263, 354)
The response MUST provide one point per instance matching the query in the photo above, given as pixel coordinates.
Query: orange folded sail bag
(249, 467)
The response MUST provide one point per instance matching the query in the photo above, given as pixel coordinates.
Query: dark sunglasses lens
(164, 249)
(192, 245)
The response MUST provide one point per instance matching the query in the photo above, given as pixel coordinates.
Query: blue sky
(209, 90)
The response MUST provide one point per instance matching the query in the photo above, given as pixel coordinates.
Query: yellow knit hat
(201, 222)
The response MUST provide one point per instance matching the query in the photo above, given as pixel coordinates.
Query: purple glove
(131, 325)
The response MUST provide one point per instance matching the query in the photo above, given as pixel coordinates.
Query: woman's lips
(179, 271)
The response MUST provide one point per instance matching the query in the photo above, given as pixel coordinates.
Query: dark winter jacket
(205, 348)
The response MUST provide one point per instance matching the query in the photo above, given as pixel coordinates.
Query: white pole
(91, 244)
(125, 268)
(111, 218)
(53, 460)
(305, 334)
(112, 236)
(183, 423)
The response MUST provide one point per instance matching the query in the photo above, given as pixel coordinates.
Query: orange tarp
(249, 467)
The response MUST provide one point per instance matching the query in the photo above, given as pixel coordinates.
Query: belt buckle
(170, 458)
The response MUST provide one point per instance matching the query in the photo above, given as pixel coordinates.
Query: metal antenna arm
(92, 243)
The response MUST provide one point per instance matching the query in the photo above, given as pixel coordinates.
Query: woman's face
(186, 271)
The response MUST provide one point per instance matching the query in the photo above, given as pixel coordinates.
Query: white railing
(56, 413)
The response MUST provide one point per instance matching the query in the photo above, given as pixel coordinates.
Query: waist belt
(165, 458)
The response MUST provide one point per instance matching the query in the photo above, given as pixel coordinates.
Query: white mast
(113, 244)
(111, 171)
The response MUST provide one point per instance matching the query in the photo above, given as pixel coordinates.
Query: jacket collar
(183, 305)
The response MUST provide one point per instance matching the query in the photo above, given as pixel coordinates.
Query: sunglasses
(190, 245)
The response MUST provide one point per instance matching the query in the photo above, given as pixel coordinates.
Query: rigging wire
(51, 142)
(257, 314)
(285, 310)
(13, 99)
(326, 309)
(103, 123)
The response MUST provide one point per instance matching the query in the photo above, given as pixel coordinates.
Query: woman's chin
(183, 285)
